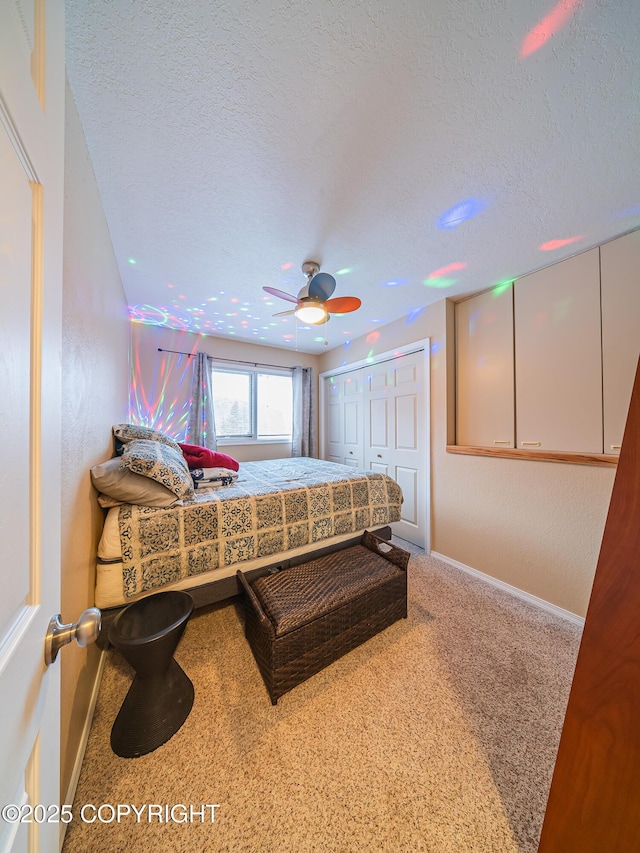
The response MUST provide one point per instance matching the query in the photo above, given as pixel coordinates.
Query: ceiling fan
(313, 303)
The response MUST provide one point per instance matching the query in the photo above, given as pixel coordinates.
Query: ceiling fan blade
(343, 304)
(275, 292)
(284, 313)
(322, 286)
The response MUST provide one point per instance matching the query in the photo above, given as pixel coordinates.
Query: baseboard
(513, 590)
(77, 766)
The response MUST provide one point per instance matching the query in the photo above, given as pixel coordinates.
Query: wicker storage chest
(303, 618)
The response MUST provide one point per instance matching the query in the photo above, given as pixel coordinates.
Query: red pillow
(201, 457)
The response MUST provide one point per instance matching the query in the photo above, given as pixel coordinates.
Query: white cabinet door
(395, 436)
(558, 362)
(484, 369)
(620, 279)
(343, 419)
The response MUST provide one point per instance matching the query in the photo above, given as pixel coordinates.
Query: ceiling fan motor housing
(310, 268)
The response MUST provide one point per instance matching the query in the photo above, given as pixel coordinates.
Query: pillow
(119, 485)
(212, 476)
(202, 457)
(124, 433)
(159, 462)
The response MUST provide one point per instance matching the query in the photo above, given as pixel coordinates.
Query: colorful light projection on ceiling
(626, 212)
(395, 282)
(546, 28)
(224, 314)
(439, 278)
(459, 213)
(551, 245)
(173, 318)
(159, 396)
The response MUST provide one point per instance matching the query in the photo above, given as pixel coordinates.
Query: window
(252, 405)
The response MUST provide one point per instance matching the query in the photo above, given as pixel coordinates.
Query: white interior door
(31, 207)
(395, 436)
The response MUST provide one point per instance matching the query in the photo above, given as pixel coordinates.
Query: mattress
(276, 509)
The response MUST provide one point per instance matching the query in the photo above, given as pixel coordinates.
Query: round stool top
(151, 617)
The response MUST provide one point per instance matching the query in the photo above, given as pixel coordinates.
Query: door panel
(407, 479)
(404, 375)
(378, 423)
(379, 468)
(352, 423)
(407, 422)
(333, 423)
(377, 380)
(15, 284)
(31, 209)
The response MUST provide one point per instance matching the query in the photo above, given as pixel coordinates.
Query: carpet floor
(439, 734)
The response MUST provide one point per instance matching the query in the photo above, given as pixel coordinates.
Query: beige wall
(161, 381)
(534, 525)
(95, 370)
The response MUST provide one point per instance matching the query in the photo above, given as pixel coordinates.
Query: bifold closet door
(394, 414)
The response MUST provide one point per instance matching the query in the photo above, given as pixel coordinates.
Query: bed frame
(229, 587)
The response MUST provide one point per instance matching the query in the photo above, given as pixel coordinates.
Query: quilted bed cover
(273, 506)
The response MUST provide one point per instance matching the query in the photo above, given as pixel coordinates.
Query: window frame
(253, 372)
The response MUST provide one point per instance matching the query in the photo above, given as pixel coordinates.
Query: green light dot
(439, 282)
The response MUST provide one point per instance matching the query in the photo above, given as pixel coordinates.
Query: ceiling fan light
(311, 313)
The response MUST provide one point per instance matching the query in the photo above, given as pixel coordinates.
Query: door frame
(423, 345)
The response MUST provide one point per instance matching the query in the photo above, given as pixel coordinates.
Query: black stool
(160, 698)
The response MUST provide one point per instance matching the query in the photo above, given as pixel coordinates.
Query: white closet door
(484, 370)
(343, 419)
(620, 279)
(394, 415)
(558, 357)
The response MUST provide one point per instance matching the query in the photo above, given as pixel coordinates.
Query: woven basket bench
(301, 619)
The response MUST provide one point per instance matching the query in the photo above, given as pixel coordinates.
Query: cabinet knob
(616, 446)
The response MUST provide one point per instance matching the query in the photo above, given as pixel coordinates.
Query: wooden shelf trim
(536, 455)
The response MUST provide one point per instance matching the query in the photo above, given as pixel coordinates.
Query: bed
(274, 514)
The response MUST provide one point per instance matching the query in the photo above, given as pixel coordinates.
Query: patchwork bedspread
(272, 507)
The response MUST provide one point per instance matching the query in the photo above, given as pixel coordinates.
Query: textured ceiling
(420, 148)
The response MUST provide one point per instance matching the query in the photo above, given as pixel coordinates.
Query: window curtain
(202, 426)
(304, 440)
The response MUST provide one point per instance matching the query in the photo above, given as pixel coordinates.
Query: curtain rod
(227, 360)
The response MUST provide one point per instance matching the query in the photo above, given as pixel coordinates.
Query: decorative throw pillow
(159, 462)
(118, 485)
(206, 477)
(124, 433)
(202, 457)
